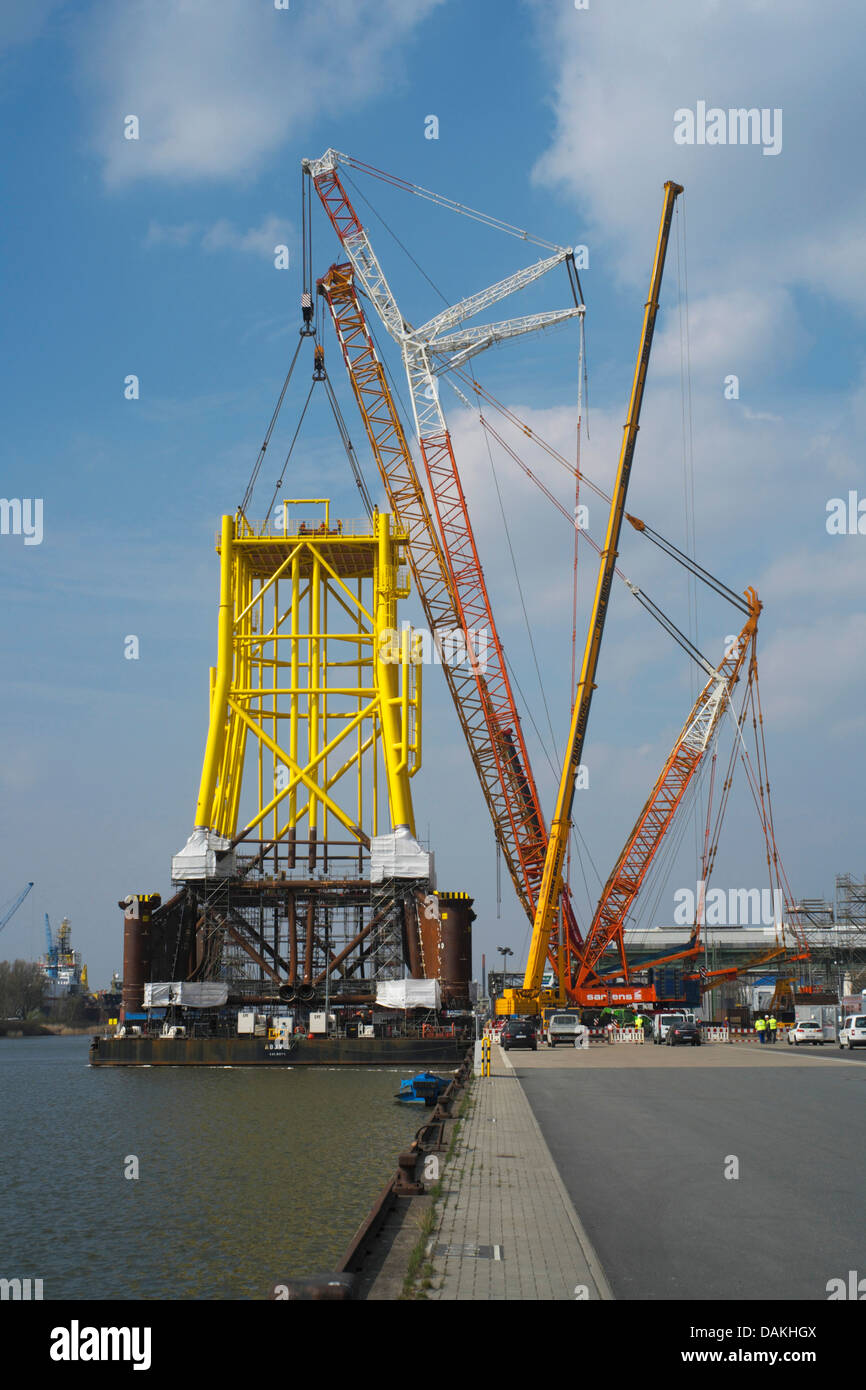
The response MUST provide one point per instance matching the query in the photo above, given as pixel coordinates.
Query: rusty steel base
(261, 1052)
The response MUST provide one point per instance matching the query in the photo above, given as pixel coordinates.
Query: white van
(662, 1023)
(853, 1032)
(565, 1028)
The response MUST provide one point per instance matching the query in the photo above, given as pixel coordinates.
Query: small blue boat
(423, 1089)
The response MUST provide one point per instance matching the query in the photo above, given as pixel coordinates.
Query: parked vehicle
(807, 1031)
(853, 1032)
(662, 1024)
(519, 1032)
(682, 1031)
(564, 1028)
(824, 1015)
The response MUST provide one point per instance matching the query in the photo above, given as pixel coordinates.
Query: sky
(155, 257)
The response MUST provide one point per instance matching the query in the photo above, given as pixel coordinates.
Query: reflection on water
(247, 1175)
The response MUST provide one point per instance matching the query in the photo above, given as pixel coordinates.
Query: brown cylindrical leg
(308, 954)
(412, 940)
(293, 939)
(136, 949)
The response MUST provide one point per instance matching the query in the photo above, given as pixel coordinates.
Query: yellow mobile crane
(531, 997)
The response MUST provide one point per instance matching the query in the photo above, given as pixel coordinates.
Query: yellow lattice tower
(314, 684)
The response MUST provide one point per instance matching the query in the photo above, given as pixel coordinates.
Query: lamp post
(505, 952)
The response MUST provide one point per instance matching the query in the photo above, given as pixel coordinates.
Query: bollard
(485, 1056)
(405, 1184)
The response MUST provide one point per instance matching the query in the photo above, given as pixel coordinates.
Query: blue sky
(155, 257)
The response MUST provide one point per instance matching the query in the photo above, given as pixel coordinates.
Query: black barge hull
(262, 1052)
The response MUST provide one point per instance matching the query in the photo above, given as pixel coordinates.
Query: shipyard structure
(306, 925)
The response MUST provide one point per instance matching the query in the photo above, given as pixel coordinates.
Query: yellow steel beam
(225, 659)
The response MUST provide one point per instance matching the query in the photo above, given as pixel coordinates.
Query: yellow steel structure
(531, 997)
(313, 677)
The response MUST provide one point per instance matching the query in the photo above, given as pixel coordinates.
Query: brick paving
(507, 1228)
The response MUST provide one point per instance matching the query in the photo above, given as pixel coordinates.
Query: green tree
(22, 986)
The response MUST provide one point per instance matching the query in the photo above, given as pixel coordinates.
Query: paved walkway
(507, 1227)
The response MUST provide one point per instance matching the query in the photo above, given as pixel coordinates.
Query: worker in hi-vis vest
(772, 1025)
(761, 1029)
(638, 1023)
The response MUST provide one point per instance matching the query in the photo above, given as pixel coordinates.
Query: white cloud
(809, 670)
(160, 234)
(219, 85)
(619, 74)
(224, 236)
(729, 333)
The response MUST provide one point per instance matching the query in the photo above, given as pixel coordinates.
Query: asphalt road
(642, 1138)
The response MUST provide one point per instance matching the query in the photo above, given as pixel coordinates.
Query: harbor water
(246, 1176)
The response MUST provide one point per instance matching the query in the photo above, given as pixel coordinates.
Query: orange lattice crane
(443, 553)
(686, 756)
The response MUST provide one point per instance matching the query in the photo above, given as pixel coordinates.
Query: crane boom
(496, 741)
(685, 758)
(10, 913)
(508, 788)
(551, 883)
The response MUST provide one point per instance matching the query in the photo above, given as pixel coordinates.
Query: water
(247, 1175)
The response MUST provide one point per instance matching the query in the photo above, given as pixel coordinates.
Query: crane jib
(552, 878)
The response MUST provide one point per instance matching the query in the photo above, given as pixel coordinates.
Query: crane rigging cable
(347, 161)
(248, 495)
(673, 551)
(643, 599)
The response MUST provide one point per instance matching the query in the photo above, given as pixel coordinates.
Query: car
(519, 1032)
(681, 1031)
(806, 1031)
(662, 1024)
(565, 1028)
(853, 1032)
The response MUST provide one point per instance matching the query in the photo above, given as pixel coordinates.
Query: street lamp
(505, 952)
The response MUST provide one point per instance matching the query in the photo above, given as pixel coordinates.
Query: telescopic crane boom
(529, 998)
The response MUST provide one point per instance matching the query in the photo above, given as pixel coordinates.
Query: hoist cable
(279, 481)
(349, 448)
(248, 495)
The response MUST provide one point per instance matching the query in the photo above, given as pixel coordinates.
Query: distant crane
(50, 951)
(10, 913)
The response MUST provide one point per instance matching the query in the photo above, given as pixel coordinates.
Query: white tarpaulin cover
(203, 994)
(205, 855)
(408, 994)
(399, 855)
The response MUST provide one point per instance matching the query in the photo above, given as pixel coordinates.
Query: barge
(295, 1051)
